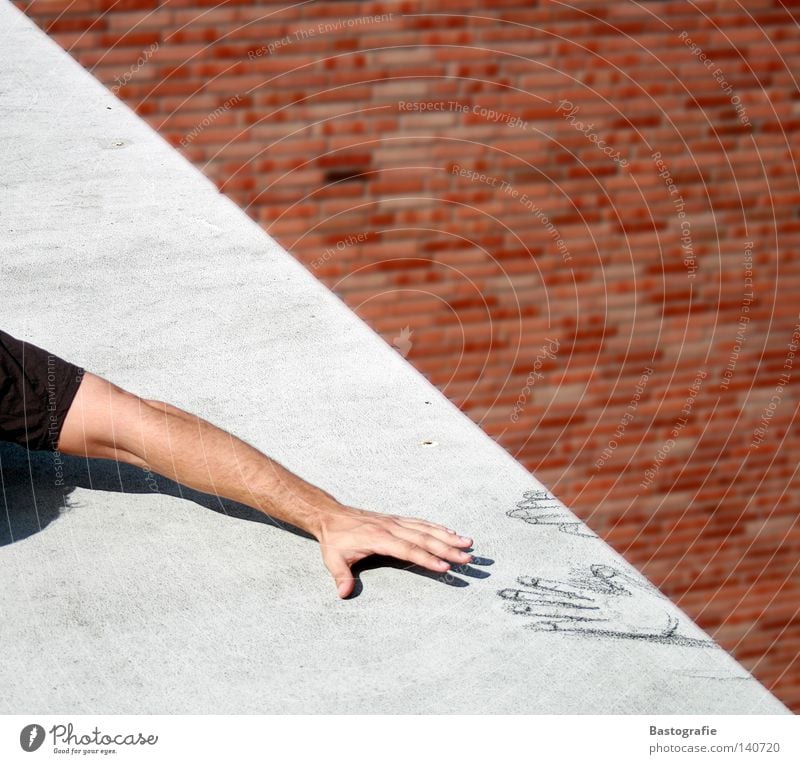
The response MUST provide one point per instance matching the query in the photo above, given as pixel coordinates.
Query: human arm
(107, 422)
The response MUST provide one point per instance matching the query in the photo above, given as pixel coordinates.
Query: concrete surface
(122, 593)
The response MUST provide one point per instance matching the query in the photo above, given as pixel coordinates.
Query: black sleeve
(36, 391)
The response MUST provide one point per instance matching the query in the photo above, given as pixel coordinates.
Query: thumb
(340, 571)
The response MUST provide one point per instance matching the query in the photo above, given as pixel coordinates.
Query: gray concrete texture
(124, 593)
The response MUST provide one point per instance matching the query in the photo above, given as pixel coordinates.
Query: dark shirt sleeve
(37, 389)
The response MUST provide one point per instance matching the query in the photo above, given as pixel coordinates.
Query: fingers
(341, 573)
(352, 534)
(540, 519)
(394, 546)
(603, 571)
(432, 543)
(439, 531)
(559, 589)
(576, 529)
(528, 601)
(554, 616)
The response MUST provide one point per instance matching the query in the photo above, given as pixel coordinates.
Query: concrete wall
(602, 259)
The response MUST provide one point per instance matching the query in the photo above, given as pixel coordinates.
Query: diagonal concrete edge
(122, 593)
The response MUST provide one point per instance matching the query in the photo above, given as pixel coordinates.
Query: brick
(140, 20)
(74, 24)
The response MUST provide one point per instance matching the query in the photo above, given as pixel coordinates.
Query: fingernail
(464, 538)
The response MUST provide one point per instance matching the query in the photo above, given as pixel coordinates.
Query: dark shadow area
(449, 578)
(35, 488)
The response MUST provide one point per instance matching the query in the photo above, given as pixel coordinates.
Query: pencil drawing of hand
(605, 602)
(541, 508)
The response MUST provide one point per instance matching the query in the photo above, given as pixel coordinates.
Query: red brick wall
(603, 256)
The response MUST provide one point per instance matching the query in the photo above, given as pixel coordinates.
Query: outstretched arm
(108, 422)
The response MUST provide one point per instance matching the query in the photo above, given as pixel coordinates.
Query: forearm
(195, 453)
(198, 454)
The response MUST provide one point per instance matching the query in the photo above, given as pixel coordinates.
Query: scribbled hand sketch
(539, 507)
(600, 602)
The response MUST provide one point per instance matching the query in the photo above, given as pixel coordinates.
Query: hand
(347, 535)
(603, 601)
(533, 509)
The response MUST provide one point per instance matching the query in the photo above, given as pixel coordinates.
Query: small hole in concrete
(429, 443)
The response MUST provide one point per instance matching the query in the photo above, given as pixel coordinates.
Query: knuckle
(381, 534)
